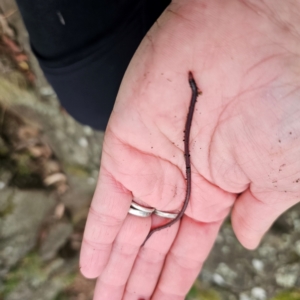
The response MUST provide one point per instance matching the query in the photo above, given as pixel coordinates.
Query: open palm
(244, 145)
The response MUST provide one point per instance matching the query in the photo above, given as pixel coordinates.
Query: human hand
(245, 143)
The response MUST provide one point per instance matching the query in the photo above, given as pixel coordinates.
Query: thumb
(252, 217)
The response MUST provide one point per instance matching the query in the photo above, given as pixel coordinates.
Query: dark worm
(188, 124)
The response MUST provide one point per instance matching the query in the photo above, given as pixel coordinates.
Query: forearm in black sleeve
(84, 47)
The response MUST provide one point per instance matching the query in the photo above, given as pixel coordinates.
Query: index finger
(107, 213)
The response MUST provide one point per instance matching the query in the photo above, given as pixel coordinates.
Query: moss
(288, 295)
(202, 294)
(68, 280)
(9, 286)
(29, 269)
(4, 151)
(17, 79)
(62, 296)
(14, 92)
(26, 172)
(23, 164)
(8, 209)
(34, 272)
(77, 170)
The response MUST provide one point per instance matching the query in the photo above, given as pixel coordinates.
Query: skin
(245, 144)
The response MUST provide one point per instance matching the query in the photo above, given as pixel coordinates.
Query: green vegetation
(29, 269)
(23, 164)
(3, 148)
(288, 295)
(8, 208)
(77, 170)
(62, 296)
(35, 273)
(67, 282)
(197, 293)
(25, 170)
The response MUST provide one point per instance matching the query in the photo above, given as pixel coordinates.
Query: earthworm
(188, 124)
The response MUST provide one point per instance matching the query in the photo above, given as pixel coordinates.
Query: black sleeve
(84, 47)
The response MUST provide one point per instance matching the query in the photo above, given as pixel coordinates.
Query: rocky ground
(48, 170)
(273, 270)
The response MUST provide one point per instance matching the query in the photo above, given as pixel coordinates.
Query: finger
(184, 261)
(108, 210)
(149, 263)
(251, 217)
(111, 283)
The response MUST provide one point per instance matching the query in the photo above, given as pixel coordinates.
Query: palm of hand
(245, 140)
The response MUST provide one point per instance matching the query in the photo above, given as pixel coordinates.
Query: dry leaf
(28, 132)
(40, 151)
(55, 178)
(59, 211)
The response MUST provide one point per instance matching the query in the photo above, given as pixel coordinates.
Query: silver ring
(139, 213)
(141, 208)
(165, 214)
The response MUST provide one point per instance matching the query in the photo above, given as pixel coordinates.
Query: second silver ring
(165, 214)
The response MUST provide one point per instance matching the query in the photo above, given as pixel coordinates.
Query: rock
(22, 292)
(297, 247)
(30, 207)
(47, 91)
(286, 276)
(225, 249)
(244, 296)
(267, 251)
(91, 181)
(56, 238)
(218, 279)
(5, 204)
(49, 291)
(33, 280)
(88, 130)
(22, 215)
(46, 290)
(83, 142)
(241, 272)
(258, 265)
(71, 142)
(226, 273)
(5, 177)
(258, 293)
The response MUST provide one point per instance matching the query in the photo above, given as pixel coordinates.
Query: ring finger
(149, 262)
(111, 283)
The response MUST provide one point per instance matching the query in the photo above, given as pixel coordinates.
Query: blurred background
(48, 171)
